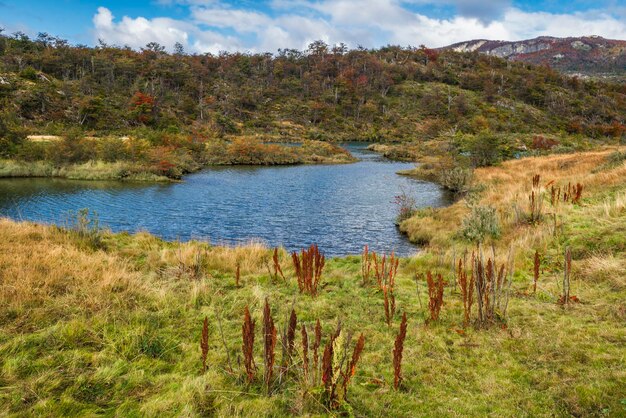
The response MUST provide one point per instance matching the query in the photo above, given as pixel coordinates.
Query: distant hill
(325, 93)
(588, 55)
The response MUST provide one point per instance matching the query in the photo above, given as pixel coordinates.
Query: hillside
(330, 93)
(589, 55)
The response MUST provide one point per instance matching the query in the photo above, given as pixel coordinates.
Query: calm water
(339, 207)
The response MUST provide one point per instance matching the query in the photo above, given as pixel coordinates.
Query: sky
(266, 25)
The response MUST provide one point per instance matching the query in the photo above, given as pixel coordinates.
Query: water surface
(339, 207)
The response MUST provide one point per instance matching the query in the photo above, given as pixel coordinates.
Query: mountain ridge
(584, 55)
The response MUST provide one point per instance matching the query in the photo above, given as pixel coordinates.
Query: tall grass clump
(85, 225)
(389, 303)
(385, 270)
(288, 340)
(566, 298)
(305, 352)
(571, 193)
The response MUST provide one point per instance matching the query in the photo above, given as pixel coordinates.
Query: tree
(179, 49)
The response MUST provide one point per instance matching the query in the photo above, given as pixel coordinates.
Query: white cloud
(213, 26)
(137, 32)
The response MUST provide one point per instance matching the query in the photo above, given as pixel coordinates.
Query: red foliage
(143, 105)
(431, 54)
(540, 142)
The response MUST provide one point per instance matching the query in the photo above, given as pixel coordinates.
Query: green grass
(133, 347)
(93, 170)
(109, 324)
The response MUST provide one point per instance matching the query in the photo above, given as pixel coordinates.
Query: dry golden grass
(37, 263)
(509, 184)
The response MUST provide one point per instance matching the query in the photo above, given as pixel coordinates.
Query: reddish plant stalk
(366, 265)
(277, 269)
(204, 342)
(269, 334)
(536, 271)
(435, 295)
(351, 366)
(308, 265)
(389, 304)
(316, 345)
(467, 292)
(397, 353)
(248, 344)
(305, 351)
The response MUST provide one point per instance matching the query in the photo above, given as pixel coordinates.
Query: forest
(325, 92)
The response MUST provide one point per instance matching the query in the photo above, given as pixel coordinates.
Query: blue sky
(215, 25)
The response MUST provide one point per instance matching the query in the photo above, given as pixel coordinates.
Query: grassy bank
(247, 151)
(133, 159)
(99, 323)
(91, 170)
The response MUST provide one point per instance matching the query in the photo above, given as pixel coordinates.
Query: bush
(456, 179)
(481, 223)
(407, 207)
(74, 148)
(29, 73)
(10, 138)
(613, 160)
(485, 150)
(112, 150)
(32, 151)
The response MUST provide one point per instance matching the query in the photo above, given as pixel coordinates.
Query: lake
(339, 207)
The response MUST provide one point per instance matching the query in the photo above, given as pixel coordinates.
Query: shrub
(74, 148)
(456, 179)
(10, 138)
(481, 223)
(29, 73)
(485, 150)
(613, 160)
(407, 206)
(112, 149)
(542, 143)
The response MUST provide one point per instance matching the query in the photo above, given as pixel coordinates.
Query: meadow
(515, 307)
